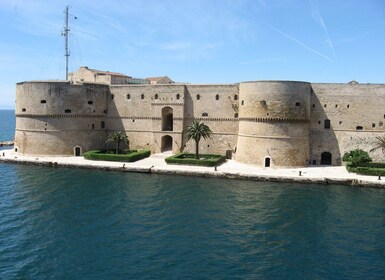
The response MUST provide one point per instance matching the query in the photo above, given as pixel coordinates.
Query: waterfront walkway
(230, 169)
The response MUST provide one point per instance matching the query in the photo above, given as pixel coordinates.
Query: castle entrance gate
(326, 158)
(166, 143)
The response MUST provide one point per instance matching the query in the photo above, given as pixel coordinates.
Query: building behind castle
(266, 123)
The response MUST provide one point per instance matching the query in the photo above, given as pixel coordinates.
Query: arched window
(156, 96)
(167, 119)
(327, 124)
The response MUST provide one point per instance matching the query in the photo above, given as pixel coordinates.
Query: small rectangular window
(102, 124)
(373, 125)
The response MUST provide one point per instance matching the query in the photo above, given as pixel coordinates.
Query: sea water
(61, 223)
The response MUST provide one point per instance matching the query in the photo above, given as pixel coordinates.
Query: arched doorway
(77, 151)
(166, 145)
(167, 119)
(326, 158)
(267, 161)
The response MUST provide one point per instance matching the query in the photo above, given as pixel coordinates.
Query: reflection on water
(69, 223)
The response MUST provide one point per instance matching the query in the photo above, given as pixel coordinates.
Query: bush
(189, 159)
(108, 155)
(356, 157)
(370, 171)
(373, 164)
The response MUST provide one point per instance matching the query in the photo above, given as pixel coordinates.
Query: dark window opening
(133, 120)
(313, 105)
(314, 162)
(128, 96)
(235, 97)
(198, 97)
(167, 119)
(340, 122)
(77, 151)
(326, 158)
(243, 102)
(319, 122)
(90, 102)
(327, 124)
(267, 162)
(67, 111)
(325, 106)
(217, 97)
(178, 96)
(142, 96)
(43, 101)
(373, 125)
(348, 106)
(105, 111)
(205, 114)
(359, 127)
(156, 96)
(23, 110)
(236, 115)
(297, 104)
(336, 106)
(102, 124)
(112, 96)
(93, 126)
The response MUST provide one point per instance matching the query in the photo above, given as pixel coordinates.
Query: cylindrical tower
(59, 118)
(274, 123)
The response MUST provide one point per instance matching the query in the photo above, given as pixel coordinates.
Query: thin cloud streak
(316, 14)
(298, 42)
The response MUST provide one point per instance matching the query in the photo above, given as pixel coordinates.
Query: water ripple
(63, 223)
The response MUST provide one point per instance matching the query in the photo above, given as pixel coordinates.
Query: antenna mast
(65, 34)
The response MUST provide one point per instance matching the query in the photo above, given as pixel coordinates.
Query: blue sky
(196, 41)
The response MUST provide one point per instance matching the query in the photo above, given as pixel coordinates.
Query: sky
(195, 41)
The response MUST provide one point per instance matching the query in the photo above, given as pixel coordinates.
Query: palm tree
(379, 144)
(196, 131)
(118, 137)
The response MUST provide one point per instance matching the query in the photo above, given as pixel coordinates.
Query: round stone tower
(274, 123)
(59, 118)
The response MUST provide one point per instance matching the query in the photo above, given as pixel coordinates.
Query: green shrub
(108, 155)
(189, 159)
(373, 164)
(356, 157)
(370, 171)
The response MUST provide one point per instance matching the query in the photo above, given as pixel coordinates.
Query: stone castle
(266, 123)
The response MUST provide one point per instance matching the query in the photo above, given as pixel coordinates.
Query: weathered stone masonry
(267, 123)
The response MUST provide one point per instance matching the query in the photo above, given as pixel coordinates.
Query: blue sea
(59, 223)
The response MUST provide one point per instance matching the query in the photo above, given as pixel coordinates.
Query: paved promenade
(231, 169)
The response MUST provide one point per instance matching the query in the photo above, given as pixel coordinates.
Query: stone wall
(276, 123)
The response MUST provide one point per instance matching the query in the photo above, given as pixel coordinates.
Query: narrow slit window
(128, 96)
(198, 97)
(235, 97)
(217, 97)
(142, 96)
(178, 96)
(156, 96)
